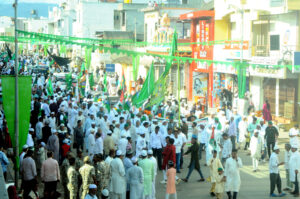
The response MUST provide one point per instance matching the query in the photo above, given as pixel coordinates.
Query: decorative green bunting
(88, 56)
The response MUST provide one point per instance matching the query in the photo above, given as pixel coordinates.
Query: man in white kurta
(294, 165)
(274, 173)
(256, 145)
(214, 164)
(140, 144)
(118, 178)
(135, 179)
(293, 134)
(91, 143)
(153, 159)
(232, 174)
(226, 148)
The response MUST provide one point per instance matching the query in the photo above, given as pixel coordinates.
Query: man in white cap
(274, 173)
(154, 161)
(91, 143)
(52, 120)
(122, 144)
(135, 178)
(24, 151)
(29, 141)
(140, 144)
(118, 179)
(256, 146)
(53, 144)
(148, 170)
(92, 192)
(108, 143)
(104, 194)
(294, 166)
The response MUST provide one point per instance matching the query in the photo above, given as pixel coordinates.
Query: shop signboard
(264, 68)
(224, 68)
(270, 72)
(296, 62)
(110, 68)
(204, 50)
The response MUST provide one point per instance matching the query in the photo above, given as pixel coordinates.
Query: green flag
(105, 83)
(49, 87)
(173, 48)
(8, 93)
(91, 80)
(159, 91)
(68, 80)
(146, 90)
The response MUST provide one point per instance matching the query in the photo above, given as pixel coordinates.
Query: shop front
(279, 86)
(201, 73)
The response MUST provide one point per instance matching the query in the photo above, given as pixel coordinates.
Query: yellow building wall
(293, 4)
(222, 29)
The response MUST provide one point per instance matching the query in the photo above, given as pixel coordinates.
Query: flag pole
(16, 98)
(178, 93)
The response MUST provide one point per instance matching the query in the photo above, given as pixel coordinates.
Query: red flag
(123, 86)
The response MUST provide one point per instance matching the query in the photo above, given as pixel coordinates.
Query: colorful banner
(200, 84)
(8, 93)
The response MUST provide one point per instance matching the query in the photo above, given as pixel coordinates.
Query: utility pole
(16, 97)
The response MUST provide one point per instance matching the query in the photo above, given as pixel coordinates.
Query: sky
(31, 1)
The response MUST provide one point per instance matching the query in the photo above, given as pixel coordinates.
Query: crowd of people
(94, 149)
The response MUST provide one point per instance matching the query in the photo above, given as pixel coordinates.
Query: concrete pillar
(277, 98)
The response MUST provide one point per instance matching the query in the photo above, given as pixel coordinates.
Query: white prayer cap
(43, 144)
(294, 145)
(65, 141)
(184, 119)
(93, 123)
(52, 113)
(92, 186)
(119, 152)
(31, 130)
(276, 147)
(105, 192)
(62, 124)
(150, 152)
(109, 132)
(51, 101)
(92, 130)
(25, 146)
(47, 121)
(256, 131)
(53, 131)
(142, 133)
(133, 159)
(144, 153)
(73, 99)
(65, 98)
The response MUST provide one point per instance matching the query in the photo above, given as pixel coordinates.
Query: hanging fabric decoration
(135, 66)
(88, 56)
(241, 75)
(45, 50)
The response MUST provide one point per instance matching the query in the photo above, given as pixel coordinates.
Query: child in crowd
(171, 180)
(220, 182)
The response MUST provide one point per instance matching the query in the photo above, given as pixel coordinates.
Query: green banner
(8, 93)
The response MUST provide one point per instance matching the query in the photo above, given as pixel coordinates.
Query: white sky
(31, 1)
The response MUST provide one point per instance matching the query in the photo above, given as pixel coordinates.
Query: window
(123, 18)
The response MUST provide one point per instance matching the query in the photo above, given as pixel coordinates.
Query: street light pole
(16, 98)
